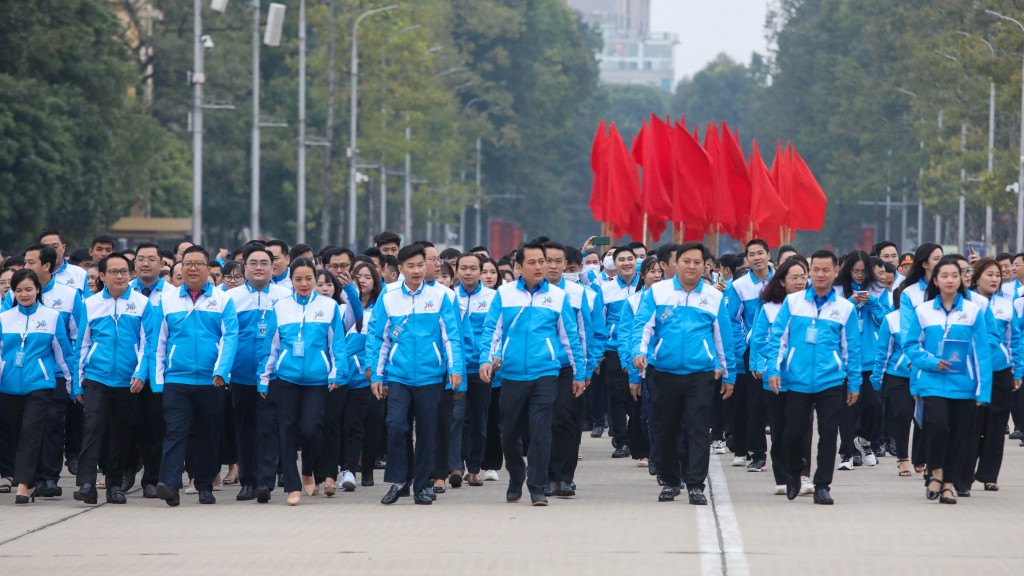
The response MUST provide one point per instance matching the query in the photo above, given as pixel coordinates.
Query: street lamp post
(989, 246)
(353, 119)
(1020, 173)
(198, 77)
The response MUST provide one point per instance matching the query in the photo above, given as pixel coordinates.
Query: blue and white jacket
(590, 321)
(316, 325)
(155, 291)
(414, 337)
(284, 280)
(253, 308)
(759, 335)
(72, 276)
(355, 347)
(869, 317)
(64, 299)
(113, 340)
(524, 326)
(929, 326)
(890, 358)
(626, 345)
(1004, 332)
(39, 336)
(685, 332)
(910, 298)
(809, 364)
(614, 293)
(743, 298)
(194, 341)
(473, 309)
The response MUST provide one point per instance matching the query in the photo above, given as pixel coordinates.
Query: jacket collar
(678, 286)
(810, 295)
(406, 290)
(462, 289)
(540, 288)
(958, 303)
(30, 310)
(618, 280)
(252, 289)
(157, 286)
(207, 290)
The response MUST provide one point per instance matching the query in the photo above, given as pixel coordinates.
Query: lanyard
(24, 333)
(946, 327)
(302, 321)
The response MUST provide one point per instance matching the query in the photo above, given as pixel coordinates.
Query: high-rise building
(632, 54)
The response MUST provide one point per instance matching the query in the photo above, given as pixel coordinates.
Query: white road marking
(721, 543)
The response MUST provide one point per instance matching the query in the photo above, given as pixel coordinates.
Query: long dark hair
(644, 269)
(775, 290)
(329, 277)
(933, 289)
(980, 266)
(917, 271)
(497, 270)
(19, 276)
(845, 277)
(375, 291)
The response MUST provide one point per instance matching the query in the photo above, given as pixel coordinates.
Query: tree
(724, 90)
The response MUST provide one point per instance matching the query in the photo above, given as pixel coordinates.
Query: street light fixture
(989, 246)
(1020, 173)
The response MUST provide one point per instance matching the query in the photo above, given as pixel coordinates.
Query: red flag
(693, 183)
(622, 195)
(597, 189)
(722, 212)
(807, 207)
(735, 176)
(767, 210)
(652, 150)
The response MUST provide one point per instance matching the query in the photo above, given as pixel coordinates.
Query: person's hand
(943, 365)
(640, 362)
(332, 387)
(718, 374)
(343, 278)
(578, 386)
(136, 386)
(380, 392)
(367, 375)
(860, 298)
(80, 399)
(775, 383)
(757, 375)
(588, 245)
(1016, 385)
(851, 398)
(218, 381)
(726, 391)
(455, 379)
(496, 362)
(972, 257)
(634, 390)
(486, 372)
(263, 395)
(222, 254)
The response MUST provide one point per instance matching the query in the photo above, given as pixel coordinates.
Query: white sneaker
(739, 461)
(806, 486)
(866, 453)
(348, 481)
(489, 475)
(718, 447)
(780, 490)
(846, 464)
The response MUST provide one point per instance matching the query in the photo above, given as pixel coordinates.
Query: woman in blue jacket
(892, 373)
(789, 278)
(951, 372)
(33, 346)
(306, 359)
(642, 441)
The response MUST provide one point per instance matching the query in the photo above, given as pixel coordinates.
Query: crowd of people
(298, 369)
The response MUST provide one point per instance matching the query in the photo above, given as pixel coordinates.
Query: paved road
(881, 524)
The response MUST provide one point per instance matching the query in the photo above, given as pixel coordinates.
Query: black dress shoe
(380, 464)
(963, 493)
(668, 494)
(821, 496)
(206, 497)
(394, 493)
(50, 489)
(168, 494)
(697, 497)
(621, 452)
(597, 431)
(116, 496)
(128, 483)
(19, 499)
(424, 497)
(280, 481)
(565, 490)
(455, 480)
(149, 491)
(245, 494)
(513, 497)
(551, 488)
(72, 466)
(792, 488)
(538, 500)
(367, 480)
(262, 494)
(86, 493)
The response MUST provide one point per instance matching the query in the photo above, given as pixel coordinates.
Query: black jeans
(565, 430)
(993, 439)
(51, 462)
(243, 405)
(411, 403)
(492, 448)
(442, 441)
(828, 404)
(620, 403)
(300, 421)
(25, 418)
(597, 397)
(899, 411)
(757, 413)
(526, 405)
(147, 434)
(687, 399)
(776, 404)
(868, 410)
(478, 400)
(373, 433)
(108, 412)
(947, 424)
(189, 408)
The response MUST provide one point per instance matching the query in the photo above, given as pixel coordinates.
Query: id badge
(19, 358)
(299, 349)
(396, 332)
(811, 337)
(666, 314)
(261, 330)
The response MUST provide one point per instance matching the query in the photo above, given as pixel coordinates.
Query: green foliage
(724, 90)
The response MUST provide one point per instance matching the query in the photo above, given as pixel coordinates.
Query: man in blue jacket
(813, 347)
(414, 339)
(197, 335)
(686, 332)
(528, 319)
(621, 405)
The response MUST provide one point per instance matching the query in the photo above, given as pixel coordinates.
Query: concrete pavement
(880, 524)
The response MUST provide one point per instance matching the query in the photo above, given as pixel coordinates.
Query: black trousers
(443, 434)
(147, 434)
(597, 397)
(51, 462)
(478, 400)
(374, 431)
(719, 416)
(757, 413)
(6, 448)
(565, 429)
(776, 404)
(899, 411)
(343, 446)
(228, 439)
(330, 439)
(828, 404)
(300, 421)
(269, 442)
(947, 424)
(189, 408)
(619, 400)
(492, 448)
(246, 434)
(108, 413)
(993, 436)
(356, 406)
(867, 410)
(74, 423)
(526, 407)
(685, 399)
(419, 404)
(25, 418)
(738, 415)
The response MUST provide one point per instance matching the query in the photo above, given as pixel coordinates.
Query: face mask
(591, 268)
(609, 263)
(573, 277)
(639, 263)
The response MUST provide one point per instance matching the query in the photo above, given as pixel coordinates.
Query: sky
(708, 27)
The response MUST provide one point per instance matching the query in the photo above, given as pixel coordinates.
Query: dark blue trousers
(268, 443)
(526, 405)
(189, 408)
(243, 403)
(51, 461)
(419, 403)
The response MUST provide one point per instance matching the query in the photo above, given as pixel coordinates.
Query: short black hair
(298, 250)
(425, 243)
(411, 251)
(301, 262)
(280, 244)
(103, 239)
(554, 246)
(51, 232)
(666, 250)
(102, 264)
(730, 261)
(827, 254)
(757, 242)
(541, 240)
(622, 250)
(573, 255)
(146, 245)
(12, 261)
(633, 245)
(877, 248)
(78, 256)
(372, 252)
(240, 251)
(450, 253)
(529, 246)
(785, 248)
(688, 246)
(215, 264)
(333, 251)
(1004, 256)
(388, 260)
(47, 255)
(387, 237)
(479, 249)
(479, 258)
(196, 249)
(1018, 255)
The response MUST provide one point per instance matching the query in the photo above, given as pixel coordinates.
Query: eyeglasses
(193, 265)
(121, 272)
(258, 263)
(234, 277)
(344, 266)
(433, 260)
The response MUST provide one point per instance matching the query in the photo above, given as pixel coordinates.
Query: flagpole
(645, 230)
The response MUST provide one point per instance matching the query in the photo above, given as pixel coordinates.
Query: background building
(632, 54)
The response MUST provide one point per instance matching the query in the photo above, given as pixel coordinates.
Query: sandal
(943, 499)
(928, 492)
(991, 487)
(5, 485)
(904, 473)
(642, 463)
(330, 487)
(232, 477)
(918, 469)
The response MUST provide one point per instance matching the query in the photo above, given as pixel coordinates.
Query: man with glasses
(195, 351)
(339, 262)
(257, 439)
(279, 250)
